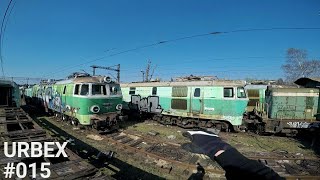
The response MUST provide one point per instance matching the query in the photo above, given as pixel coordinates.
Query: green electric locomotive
(208, 103)
(91, 101)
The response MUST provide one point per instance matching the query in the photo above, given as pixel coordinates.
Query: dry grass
(244, 142)
(164, 131)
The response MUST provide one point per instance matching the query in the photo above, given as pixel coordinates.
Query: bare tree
(297, 65)
(149, 74)
(280, 81)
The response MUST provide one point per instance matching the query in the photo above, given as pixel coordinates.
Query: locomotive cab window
(98, 89)
(114, 89)
(196, 92)
(76, 89)
(241, 93)
(84, 90)
(154, 91)
(228, 92)
(132, 90)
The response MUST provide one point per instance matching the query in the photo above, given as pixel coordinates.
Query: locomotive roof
(295, 90)
(7, 83)
(90, 79)
(185, 83)
(254, 86)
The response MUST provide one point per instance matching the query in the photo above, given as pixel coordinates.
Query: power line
(6, 22)
(1, 36)
(189, 37)
(198, 60)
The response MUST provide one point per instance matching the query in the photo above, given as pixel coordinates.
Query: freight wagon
(214, 103)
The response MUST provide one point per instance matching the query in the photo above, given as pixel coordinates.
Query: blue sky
(54, 38)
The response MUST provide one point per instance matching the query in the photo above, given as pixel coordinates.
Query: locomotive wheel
(65, 117)
(94, 125)
(235, 128)
(86, 127)
(75, 122)
(56, 115)
(219, 127)
(209, 125)
(259, 129)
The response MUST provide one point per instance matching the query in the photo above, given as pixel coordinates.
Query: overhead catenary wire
(6, 22)
(184, 38)
(1, 36)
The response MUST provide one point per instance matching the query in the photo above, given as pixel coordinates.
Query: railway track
(169, 153)
(287, 165)
(17, 126)
(172, 156)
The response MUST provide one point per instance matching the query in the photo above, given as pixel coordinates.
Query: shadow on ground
(310, 140)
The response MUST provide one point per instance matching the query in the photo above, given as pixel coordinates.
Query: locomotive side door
(228, 104)
(76, 95)
(64, 96)
(196, 101)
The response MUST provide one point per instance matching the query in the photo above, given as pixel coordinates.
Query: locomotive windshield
(105, 89)
(99, 89)
(241, 93)
(84, 89)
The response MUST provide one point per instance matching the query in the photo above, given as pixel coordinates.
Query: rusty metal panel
(181, 91)
(179, 104)
(253, 93)
(293, 103)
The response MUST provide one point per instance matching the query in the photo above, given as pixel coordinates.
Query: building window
(76, 89)
(228, 92)
(132, 90)
(154, 91)
(196, 92)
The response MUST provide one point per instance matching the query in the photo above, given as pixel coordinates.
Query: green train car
(90, 101)
(285, 110)
(213, 103)
(293, 108)
(9, 94)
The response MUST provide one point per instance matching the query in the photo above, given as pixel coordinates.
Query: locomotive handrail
(261, 108)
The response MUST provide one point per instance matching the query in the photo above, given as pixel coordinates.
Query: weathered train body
(213, 103)
(17, 126)
(9, 94)
(91, 101)
(284, 109)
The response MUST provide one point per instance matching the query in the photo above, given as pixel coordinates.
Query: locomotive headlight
(95, 109)
(119, 107)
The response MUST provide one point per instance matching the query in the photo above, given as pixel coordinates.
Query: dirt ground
(128, 165)
(244, 142)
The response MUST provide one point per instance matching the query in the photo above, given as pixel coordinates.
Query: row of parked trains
(100, 103)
